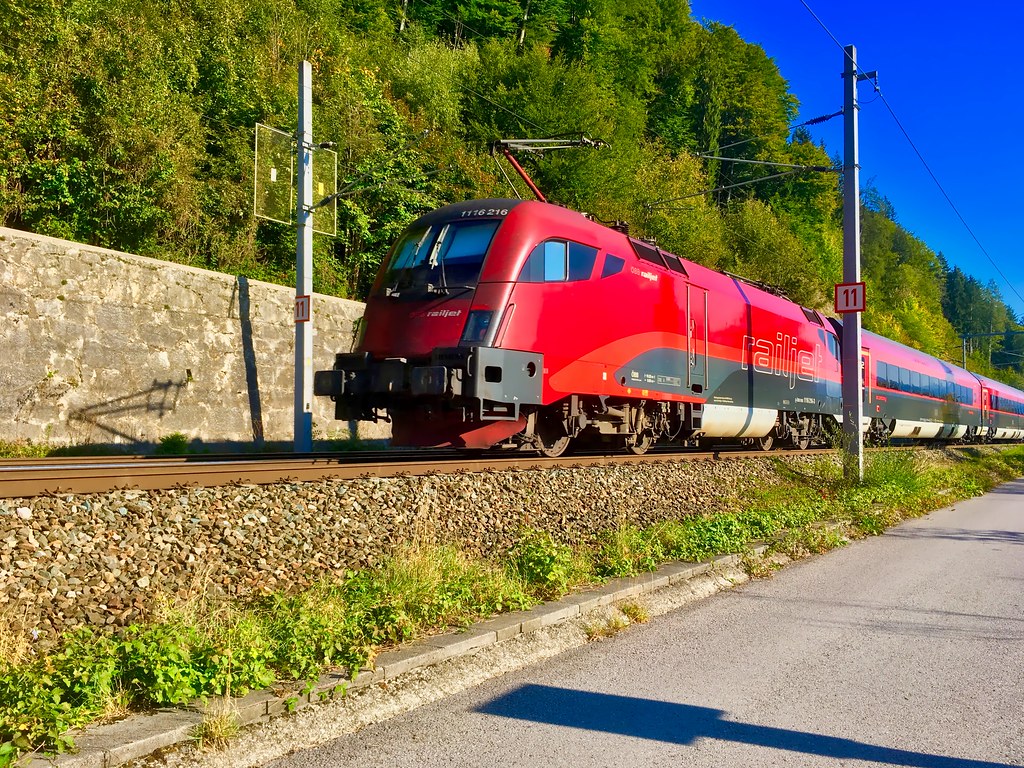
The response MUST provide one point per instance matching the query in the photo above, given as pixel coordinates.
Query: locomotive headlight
(478, 325)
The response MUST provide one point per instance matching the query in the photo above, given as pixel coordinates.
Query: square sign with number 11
(850, 297)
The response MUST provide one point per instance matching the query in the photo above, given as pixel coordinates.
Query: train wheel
(642, 444)
(765, 443)
(801, 442)
(554, 448)
(550, 437)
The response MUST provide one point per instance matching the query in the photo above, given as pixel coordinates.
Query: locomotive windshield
(440, 258)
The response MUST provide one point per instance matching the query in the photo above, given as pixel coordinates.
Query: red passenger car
(908, 394)
(1001, 411)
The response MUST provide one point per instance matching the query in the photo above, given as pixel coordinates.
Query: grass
(635, 611)
(220, 724)
(605, 626)
(15, 640)
(203, 647)
(23, 450)
(26, 449)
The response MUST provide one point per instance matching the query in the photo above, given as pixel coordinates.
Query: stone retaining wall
(99, 346)
(105, 558)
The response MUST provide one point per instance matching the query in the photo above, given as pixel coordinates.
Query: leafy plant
(174, 444)
(544, 564)
(627, 551)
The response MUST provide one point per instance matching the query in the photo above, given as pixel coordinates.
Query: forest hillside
(130, 124)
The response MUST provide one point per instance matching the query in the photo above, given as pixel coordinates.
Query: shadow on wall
(252, 385)
(160, 399)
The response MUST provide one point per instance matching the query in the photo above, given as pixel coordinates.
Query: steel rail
(69, 477)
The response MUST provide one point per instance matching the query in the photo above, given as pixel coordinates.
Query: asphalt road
(900, 650)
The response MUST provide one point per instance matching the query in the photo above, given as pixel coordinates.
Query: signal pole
(853, 402)
(304, 265)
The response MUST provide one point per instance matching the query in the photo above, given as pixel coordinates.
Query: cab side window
(581, 261)
(612, 265)
(555, 261)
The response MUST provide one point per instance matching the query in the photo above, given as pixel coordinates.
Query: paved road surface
(901, 650)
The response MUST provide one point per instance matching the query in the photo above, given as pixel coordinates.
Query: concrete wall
(106, 347)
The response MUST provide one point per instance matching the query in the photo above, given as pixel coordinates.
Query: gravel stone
(114, 558)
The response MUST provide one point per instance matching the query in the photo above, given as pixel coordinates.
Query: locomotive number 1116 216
(483, 212)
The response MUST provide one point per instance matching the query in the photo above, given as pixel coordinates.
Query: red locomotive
(526, 325)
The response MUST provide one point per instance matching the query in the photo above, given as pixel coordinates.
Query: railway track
(25, 478)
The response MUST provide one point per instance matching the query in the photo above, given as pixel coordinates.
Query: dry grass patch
(635, 611)
(15, 640)
(219, 726)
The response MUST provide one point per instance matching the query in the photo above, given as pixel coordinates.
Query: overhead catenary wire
(812, 121)
(920, 157)
(948, 198)
(661, 203)
(459, 21)
(822, 168)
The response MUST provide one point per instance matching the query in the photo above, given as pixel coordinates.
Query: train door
(986, 414)
(696, 338)
(866, 379)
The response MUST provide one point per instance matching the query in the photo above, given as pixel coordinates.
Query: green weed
(23, 450)
(627, 551)
(547, 567)
(802, 542)
(174, 444)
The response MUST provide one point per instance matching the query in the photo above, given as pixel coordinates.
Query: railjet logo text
(646, 275)
(782, 358)
(438, 313)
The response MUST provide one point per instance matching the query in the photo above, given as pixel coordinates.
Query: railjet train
(520, 324)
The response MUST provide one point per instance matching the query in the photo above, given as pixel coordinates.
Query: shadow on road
(683, 724)
(956, 534)
(895, 618)
(1015, 487)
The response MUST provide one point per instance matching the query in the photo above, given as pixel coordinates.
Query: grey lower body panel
(488, 383)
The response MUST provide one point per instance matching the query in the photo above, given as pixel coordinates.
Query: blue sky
(952, 74)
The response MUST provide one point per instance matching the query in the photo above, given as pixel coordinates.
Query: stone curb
(106, 746)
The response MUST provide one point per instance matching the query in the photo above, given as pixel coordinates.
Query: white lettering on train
(782, 358)
(646, 275)
(438, 313)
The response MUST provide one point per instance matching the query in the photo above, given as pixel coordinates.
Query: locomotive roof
(448, 211)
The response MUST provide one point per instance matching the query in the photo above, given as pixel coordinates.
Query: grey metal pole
(304, 266)
(853, 403)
